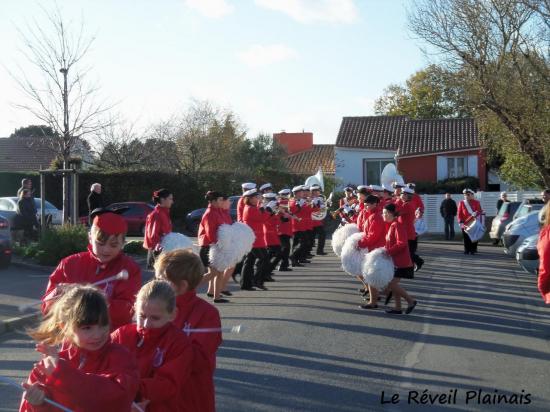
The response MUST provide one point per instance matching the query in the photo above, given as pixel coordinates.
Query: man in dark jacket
(448, 213)
(95, 198)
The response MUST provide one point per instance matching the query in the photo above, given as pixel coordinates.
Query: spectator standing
(448, 213)
(503, 198)
(25, 217)
(95, 198)
(25, 184)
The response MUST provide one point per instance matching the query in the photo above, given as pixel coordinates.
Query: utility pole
(66, 138)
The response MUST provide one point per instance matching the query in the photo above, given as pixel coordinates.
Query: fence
(488, 201)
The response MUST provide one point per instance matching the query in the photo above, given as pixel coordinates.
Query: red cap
(111, 223)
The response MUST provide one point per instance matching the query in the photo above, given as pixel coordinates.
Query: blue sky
(278, 64)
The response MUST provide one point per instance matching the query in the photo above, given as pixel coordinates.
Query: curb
(19, 322)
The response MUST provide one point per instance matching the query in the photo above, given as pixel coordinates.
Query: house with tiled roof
(427, 150)
(26, 154)
(304, 157)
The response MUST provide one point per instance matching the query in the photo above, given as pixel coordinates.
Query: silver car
(505, 215)
(528, 256)
(8, 207)
(520, 229)
(5, 242)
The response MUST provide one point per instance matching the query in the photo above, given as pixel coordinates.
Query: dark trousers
(469, 246)
(299, 246)
(254, 275)
(310, 240)
(321, 235)
(449, 227)
(274, 257)
(285, 250)
(413, 246)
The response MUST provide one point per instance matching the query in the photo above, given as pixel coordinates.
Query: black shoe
(249, 288)
(269, 279)
(388, 298)
(226, 293)
(418, 265)
(285, 270)
(394, 312)
(411, 307)
(221, 300)
(309, 256)
(297, 264)
(362, 290)
(305, 261)
(262, 287)
(466, 252)
(369, 306)
(210, 295)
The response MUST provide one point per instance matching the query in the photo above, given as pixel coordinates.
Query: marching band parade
(153, 347)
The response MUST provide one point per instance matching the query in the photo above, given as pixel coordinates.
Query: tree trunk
(66, 197)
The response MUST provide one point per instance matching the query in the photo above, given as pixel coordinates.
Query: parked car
(135, 215)
(528, 256)
(193, 219)
(528, 206)
(5, 242)
(518, 230)
(8, 207)
(504, 216)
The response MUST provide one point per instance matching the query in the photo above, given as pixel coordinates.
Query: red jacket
(85, 268)
(303, 213)
(285, 227)
(197, 313)
(407, 217)
(543, 247)
(462, 213)
(397, 245)
(255, 218)
(104, 380)
(417, 203)
(270, 231)
(212, 219)
(164, 356)
(157, 225)
(240, 209)
(362, 219)
(374, 232)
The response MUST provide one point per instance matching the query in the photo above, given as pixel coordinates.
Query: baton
(232, 329)
(11, 382)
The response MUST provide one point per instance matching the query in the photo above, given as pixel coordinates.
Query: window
(6, 205)
(457, 166)
(373, 170)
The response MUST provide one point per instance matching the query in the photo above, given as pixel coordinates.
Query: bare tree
(61, 96)
(503, 48)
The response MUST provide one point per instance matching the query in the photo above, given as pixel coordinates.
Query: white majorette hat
(361, 187)
(387, 188)
(284, 192)
(305, 187)
(411, 185)
(269, 195)
(348, 189)
(470, 191)
(396, 184)
(315, 187)
(408, 190)
(266, 186)
(251, 192)
(376, 188)
(248, 186)
(297, 189)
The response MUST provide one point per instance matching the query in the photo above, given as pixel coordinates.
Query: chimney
(294, 142)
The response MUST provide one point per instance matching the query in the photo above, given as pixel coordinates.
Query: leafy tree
(34, 131)
(259, 155)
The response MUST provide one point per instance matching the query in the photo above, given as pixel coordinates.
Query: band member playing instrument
(417, 201)
(157, 224)
(374, 232)
(271, 237)
(298, 208)
(407, 216)
(468, 209)
(284, 230)
(240, 203)
(184, 270)
(163, 352)
(255, 217)
(308, 221)
(319, 225)
(266, 188)
(397, 247)
(103, 259)
(346, 210)
(211, 220)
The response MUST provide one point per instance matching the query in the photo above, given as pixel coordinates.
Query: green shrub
(135, 247)
(26, 251)
(60, 242)
(455, 185)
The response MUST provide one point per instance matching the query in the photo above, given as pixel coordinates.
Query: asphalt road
(479, 326)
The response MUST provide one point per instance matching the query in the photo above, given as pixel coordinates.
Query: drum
(474, 229)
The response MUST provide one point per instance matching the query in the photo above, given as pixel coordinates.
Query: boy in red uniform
(271, 237)
(284, 230)
(163, 352)
(184, 270)
(104, 259)
(319, 225)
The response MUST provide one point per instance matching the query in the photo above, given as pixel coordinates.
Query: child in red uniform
(183, 269)
(90, 373)
(157, 224)
(103, 259)
(398, 248)
(163, 352)
(284, 230)
(469, 209)
(271, 237)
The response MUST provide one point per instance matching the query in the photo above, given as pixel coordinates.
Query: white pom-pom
(352, 258)
(234, 242)
(340, 235)
(378, 268)
(173, 241)
(123, 274)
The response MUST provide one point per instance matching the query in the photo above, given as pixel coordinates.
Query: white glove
(301, 202)
(474, 214)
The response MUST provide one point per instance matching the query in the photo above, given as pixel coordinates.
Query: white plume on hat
(248, 186)
(352, 257)
(341, 234)
(234, 242)
(378, 268)
(266, 186)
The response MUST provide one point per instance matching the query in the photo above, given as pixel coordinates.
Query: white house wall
(349, 163)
